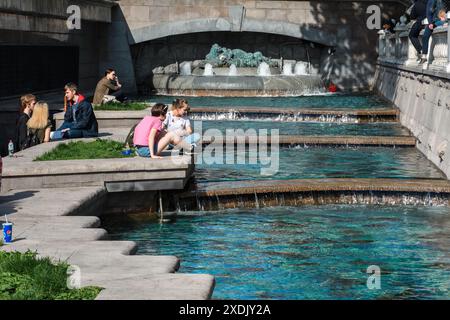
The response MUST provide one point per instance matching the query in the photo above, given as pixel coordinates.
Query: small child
(149, 137)
(442, 18)
(177, 122)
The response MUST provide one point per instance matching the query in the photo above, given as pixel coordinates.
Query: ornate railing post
(448, 42)
(381, 45)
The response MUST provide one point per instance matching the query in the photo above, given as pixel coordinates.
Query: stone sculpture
(224, 57)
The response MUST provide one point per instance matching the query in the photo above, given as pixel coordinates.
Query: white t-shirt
(177, 124)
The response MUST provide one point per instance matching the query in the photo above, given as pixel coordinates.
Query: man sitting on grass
(79, 119)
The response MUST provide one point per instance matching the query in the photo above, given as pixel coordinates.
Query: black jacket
(84, 120)
(419, 11)
(20, 139)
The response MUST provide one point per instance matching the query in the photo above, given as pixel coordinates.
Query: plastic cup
(7, 232)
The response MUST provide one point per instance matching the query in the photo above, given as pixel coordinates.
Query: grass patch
(127, 106)
(78, 150)
(25, 277)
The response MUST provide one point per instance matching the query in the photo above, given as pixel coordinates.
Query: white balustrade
(396, 48)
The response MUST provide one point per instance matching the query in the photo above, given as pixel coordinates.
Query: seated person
(108, 86)
(389, 25)
(150, 139)
(39, 125)
(178, 122)
(79, 119)
(442, 18)
(27, 103)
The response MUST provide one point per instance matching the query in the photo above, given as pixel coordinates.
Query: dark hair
(179, 103)
(159, 109)
(108, 71)
(71, 86)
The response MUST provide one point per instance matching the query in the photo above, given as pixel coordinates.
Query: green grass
(127, 106)
(98, 149)
(25, 277)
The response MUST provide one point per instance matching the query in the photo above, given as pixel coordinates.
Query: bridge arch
(304, 32)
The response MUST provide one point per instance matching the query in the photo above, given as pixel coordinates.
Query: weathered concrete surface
(317, 140)
(423, 98)
(125, 174)
(341, 24)
(212, 189)
(43, 223)
(94, 10)
(298, 111)
(112, 119)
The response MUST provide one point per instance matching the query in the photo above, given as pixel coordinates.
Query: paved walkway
(47, 221)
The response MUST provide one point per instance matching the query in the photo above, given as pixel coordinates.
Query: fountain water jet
(287, 69)
(233, 70)
(185, 69)
(301, 68)
(263, 70)
(209, 72)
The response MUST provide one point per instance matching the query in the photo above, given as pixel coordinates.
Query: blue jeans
(72, 133)
(425, 39)
(145, 151)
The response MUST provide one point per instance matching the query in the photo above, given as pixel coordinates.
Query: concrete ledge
(42, 224)
(22, 170)
(403, 141)
(160, 287)
(212, 189)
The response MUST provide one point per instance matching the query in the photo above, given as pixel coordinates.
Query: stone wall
(424, 103)
(43, 23)
(341, 24)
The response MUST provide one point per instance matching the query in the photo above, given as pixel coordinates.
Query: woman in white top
(177, 121)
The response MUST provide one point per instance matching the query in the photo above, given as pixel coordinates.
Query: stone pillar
(439, 50)
(448, 42)
(115, 51)
(381, 45)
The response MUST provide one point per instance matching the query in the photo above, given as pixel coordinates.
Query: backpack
(130, 136)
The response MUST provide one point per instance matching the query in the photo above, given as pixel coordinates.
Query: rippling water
(312, 252)
(322, 162)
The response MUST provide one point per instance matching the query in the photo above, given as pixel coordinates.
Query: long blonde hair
(39, 119)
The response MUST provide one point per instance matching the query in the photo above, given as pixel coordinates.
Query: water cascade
(301, 68)
(287, 69)
(263, 70)
(209, 72)
(233, 70)
(186, 68)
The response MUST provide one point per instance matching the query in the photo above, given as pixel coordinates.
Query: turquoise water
(322, 162)
(341, 101)
(309, 129)
(317, 252)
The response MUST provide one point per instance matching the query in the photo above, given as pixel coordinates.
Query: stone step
(62, 250)
(404, 141)
(212, 189)
(159, 287)
(112, 266)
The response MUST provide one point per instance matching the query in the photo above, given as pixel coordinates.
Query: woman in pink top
(149, 132)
